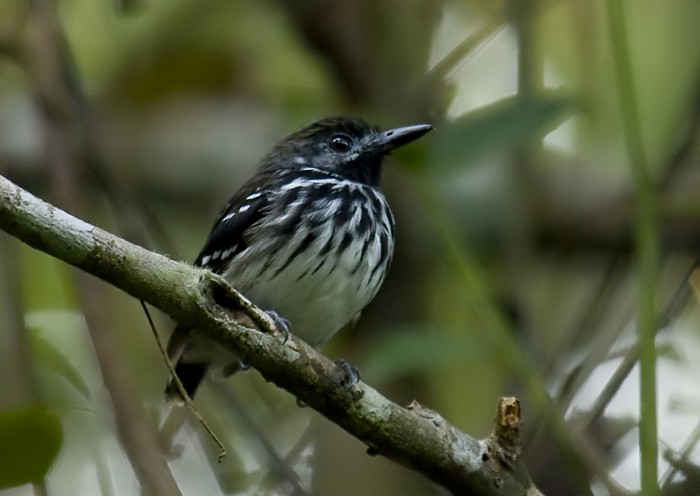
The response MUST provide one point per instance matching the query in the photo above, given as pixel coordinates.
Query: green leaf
(48, 355)
(502, 125)
(413, 349)
(30, 439)
(48, 350)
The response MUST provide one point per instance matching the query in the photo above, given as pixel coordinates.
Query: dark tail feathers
(191, 376)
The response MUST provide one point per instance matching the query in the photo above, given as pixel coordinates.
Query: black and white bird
(310, 237)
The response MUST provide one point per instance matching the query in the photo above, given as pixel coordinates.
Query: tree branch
(414, 437)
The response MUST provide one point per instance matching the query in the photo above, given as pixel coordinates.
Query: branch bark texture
(415, 437)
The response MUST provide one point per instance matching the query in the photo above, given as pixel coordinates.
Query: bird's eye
(340, 143)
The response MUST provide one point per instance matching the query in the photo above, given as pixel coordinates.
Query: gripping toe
(282, 324)
(351, 375)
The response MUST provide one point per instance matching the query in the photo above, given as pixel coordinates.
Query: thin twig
(181, 389)
(683, 455)
(280, 467)
(677, 302)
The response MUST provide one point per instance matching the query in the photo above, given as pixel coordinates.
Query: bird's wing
(227, 237)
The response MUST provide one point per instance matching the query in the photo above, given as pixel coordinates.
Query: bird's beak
(393, 138)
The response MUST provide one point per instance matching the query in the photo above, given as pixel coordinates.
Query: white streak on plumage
(318, 304)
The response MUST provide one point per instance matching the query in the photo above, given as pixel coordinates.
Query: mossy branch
(414, 437)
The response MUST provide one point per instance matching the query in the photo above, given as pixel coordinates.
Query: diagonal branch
(414, 437)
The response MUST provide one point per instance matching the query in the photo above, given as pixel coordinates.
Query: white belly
(314, 276)
(318, 301)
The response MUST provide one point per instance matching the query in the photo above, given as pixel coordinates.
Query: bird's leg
(351, 375)
(282, 324)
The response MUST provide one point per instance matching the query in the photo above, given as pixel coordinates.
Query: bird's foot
(283, 325)
(351, 375)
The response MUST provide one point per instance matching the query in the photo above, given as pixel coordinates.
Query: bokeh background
(515, 269)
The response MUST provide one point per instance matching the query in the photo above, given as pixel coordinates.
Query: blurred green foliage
(513, 217)
(30, 439)
(497, 127)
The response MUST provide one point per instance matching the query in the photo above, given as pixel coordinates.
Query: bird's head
(344, 146)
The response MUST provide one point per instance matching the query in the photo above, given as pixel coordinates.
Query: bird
(308, 238)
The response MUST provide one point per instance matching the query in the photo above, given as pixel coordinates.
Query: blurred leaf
(180, 72)
(129, 7)
(45, 280)
(49, 351)
(30, 439)
(502, 125)
(54, 359)
(412, 349)
(670, 352)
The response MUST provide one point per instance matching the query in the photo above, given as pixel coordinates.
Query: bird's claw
(351, 375)
(282, 324)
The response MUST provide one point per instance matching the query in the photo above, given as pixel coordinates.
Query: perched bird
(309, 237)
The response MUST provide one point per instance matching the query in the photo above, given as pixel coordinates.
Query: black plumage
(310, 236)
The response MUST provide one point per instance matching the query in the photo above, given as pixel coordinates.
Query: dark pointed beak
(394, 138)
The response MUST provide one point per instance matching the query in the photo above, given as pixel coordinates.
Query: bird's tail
(190, 375)
(192, 358)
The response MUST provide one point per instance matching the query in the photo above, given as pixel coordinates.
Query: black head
(348, 147)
